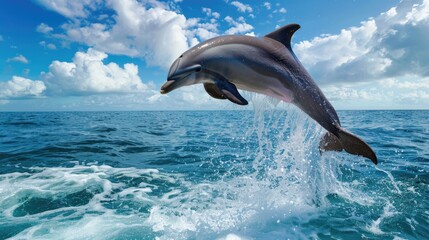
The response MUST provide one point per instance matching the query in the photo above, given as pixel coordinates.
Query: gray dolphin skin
(267, 66)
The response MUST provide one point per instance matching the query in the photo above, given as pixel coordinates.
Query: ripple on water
(104, 129)
(249, 175)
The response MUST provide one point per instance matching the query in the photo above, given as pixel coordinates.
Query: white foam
(388, 211)
(232, 236)
(92, 220)
(392, 179)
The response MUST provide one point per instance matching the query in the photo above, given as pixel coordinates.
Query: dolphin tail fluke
(348, 142)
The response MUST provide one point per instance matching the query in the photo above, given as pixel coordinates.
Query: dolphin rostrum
(264, 65)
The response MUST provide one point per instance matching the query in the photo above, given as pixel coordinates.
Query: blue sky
(60, 55)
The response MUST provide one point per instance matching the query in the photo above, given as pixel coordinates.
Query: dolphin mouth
(167, 87)
(174, 80)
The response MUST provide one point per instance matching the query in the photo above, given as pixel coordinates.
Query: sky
(97, 55)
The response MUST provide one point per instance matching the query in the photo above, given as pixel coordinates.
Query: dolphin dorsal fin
(284, 34)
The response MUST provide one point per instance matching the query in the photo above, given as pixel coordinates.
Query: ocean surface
(210, 175)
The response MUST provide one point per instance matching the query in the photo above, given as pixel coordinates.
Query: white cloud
(393, 44)
(44, 28)
(19, 58)
(237, 27)
(349, 93)
(1, 38)
(216, 15)
(408, 92)
(279, 9)
(379, 51)
(242, 7)
(87, 74)
(205, 34)
(20, 87)
(207, 11)
(204, 31)
(71, 9)
(210, 13)
(201, 30)
(267, 5)
(50, 46)
(155, 34)
(414, 83)
(147, 29)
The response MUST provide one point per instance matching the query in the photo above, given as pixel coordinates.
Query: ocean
(254, 174)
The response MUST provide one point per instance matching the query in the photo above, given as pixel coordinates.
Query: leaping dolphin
(268, 66)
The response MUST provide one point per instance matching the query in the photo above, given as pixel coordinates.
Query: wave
(268, 183)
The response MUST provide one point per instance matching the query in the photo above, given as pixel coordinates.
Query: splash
(287, 186)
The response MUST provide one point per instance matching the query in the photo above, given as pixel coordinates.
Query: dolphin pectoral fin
(284, 34)
(230, 92)
(348, 142)
(214, 91)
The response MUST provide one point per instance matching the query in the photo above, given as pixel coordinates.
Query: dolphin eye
(181, 56)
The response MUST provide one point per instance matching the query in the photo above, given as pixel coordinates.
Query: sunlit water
(210, 175)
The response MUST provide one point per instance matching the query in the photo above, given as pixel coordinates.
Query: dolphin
(267, 66)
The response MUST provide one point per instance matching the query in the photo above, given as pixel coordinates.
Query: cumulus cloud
(392, 44)
(216, 15)
(341, 93)
(44, 28)
(210, 13)
(20, 87)
(267, 5)
(19, 58)
(409, 92)
(237, 27)
(388, 49)
(71, 9)
(50, 46)
(154, 33)
(204, 33)
(282, 10)
(408, 84)
(203, 30)
(241, 7)
(87, 74)
(152, 30)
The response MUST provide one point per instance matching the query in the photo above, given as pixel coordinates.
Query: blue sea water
(210, 175)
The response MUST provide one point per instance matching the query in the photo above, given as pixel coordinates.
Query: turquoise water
(210, 175)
